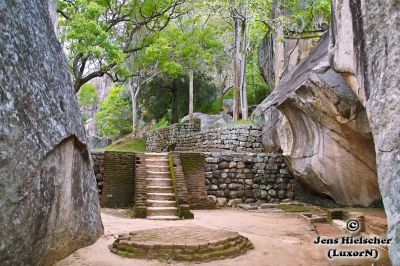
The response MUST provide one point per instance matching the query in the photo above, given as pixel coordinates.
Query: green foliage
(162, 123)
(127, 145)
(156, 98)
(114, 116)
(229, 94)
(216, 106)
(87, 30)
(303, 13)
(299, 15)
(249, 122)
(185, 44)
(87, 96)
(104, 34)
(257, 89)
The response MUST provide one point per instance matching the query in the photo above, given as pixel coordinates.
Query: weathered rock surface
(209, 121)
(93, 140)
(367, 54)
(227, 105)
(294, 51)
(324, 131)
(48, 204)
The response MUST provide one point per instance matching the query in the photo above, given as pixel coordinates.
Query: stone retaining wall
(187, 137)
(98, 167)
(193, 169)
(115, 176)
(243, 177)
(166, 139)
(248, 177)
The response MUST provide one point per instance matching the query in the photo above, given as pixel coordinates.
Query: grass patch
(294, 208)
(249, 122)
(127, 145)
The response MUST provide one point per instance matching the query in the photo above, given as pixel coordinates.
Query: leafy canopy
(100, 34)
(87, 96)
(114, 116)
(184, 44)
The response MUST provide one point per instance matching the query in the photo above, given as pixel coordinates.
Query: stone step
(161, 196)
(156, 157)
(161, 203)
(159, 182)
(159, 217)
(156, 153)
(162, 211)
(158, 189)
(165, 175)
(157, 162)
(159, 167)
(151, 172)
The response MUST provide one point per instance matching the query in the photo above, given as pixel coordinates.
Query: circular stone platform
(182, 243)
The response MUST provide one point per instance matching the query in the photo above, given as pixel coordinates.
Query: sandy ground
(278, 238)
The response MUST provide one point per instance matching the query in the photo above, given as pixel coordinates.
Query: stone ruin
(172, 243)
(224, 164)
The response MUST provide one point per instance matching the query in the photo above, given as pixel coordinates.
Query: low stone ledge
(182, 244)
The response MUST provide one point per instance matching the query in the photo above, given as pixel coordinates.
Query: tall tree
(186, 45)
(240, 17)
(135, 85)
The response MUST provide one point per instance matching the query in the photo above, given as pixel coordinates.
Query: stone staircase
(161, 201)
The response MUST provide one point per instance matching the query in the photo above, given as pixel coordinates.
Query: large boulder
(49, 204)
(322, 129)
(294, 51)
(209, 121)
(366, 40)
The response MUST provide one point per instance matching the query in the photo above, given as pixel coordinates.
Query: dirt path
(278, 238)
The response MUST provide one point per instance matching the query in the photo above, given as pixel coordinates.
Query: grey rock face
(323, 131)
(209, 121)
(295, 51)
(369, 61)
(48, 204)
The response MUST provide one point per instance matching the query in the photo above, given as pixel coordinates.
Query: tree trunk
(278, 42)
(243, 87)
(240, 45)
(134, 89)
(174, 97)
(236, 66)
(191, 96)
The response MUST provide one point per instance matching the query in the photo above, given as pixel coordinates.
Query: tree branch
(62, 13)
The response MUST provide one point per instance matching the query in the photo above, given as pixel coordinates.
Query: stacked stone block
(181, 188)
(166, 139)
(193, 169)
(98, 167)
(115, 175)
(140, 184)
(248, 177)
(186, 137)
